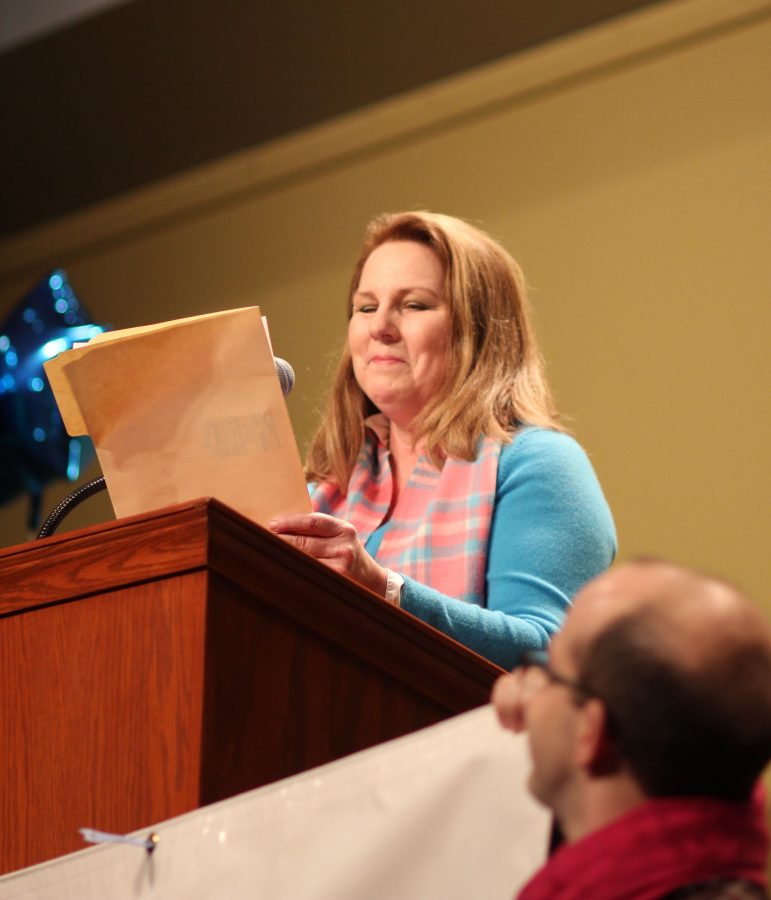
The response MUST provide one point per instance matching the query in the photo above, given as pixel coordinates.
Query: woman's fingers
(321, 548)
(333, 542)
(319, 535)
(318, 524)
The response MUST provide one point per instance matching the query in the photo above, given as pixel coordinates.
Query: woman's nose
(383, 326)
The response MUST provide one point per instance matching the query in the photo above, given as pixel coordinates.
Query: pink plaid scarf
(441, 533)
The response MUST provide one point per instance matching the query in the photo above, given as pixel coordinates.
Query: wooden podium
(161, 662)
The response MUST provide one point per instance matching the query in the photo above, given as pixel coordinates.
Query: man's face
(551, 716)
(554, 714)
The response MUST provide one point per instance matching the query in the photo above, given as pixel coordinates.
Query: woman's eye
(366, 308)
(416, 304)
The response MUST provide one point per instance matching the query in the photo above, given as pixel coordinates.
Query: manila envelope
(185, 409)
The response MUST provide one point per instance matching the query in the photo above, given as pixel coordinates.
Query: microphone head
(285, 374)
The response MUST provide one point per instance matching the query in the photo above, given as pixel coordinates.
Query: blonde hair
(497, 381)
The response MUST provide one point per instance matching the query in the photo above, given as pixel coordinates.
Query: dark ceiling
(155, 87)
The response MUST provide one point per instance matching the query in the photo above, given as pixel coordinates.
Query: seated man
(649, 725)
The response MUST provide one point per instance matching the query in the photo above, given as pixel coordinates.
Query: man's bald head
(698, 614)
(683, 664)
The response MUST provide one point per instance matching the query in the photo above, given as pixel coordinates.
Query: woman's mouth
(386, 360)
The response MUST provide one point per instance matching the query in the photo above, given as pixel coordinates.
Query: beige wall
(626, 168)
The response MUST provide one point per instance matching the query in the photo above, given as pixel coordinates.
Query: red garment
(659, 846)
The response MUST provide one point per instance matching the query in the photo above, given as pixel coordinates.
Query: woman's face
(399, 332)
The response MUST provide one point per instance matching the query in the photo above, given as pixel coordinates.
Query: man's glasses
(537, 674)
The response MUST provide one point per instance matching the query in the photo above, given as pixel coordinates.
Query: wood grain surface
(162, 662)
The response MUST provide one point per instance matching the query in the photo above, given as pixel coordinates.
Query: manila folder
(185, 409)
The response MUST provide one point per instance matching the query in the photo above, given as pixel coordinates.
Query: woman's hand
(333, 542)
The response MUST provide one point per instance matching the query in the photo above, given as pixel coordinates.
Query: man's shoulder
(720, 889)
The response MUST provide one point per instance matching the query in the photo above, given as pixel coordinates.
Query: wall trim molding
(621, 42)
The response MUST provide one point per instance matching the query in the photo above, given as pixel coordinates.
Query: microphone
(285, 374)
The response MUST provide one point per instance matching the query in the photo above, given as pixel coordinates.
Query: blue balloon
(34, 446)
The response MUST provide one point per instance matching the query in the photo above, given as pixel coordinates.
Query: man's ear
(595, 748)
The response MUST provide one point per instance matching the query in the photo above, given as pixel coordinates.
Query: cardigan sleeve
(551, 532)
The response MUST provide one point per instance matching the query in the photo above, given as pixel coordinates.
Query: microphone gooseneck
(65, 506)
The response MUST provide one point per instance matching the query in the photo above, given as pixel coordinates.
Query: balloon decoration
(34, 446)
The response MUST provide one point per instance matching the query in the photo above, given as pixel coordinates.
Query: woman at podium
(441, 477)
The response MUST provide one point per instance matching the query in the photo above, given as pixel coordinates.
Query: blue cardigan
(551, 532)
